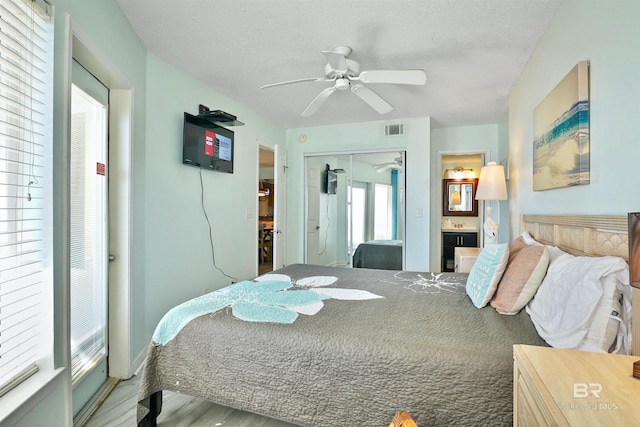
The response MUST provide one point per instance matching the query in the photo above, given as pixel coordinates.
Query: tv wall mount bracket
(218, 116)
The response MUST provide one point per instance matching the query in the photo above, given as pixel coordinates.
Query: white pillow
(568, 301)
(486, 273)
(555, 252)
(529, 240)
(607, 317)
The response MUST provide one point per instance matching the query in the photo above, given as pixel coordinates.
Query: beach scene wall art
(561, 133)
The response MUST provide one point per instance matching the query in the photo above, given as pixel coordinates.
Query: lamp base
(490, 232)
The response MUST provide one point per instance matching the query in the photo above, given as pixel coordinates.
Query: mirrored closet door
(354, 209)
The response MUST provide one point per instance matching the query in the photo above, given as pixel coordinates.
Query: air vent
(391, 130)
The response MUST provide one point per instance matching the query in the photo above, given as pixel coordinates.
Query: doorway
(88, 239)
(454, 165)
(266, 209)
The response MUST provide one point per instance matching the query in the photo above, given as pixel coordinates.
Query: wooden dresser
(554, 387)
(465, 258)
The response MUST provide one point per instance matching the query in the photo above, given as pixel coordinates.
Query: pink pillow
(524, 273)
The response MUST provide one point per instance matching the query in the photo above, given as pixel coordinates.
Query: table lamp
(491, 186)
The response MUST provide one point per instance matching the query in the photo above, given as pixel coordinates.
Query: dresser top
(466, 251)
(598, 387)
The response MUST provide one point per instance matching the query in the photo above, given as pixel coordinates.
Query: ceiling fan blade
(310, 79)
(406, 77)
(382, 165)
(318, 101)
(387, 167)
(371, 98)
(337, 61)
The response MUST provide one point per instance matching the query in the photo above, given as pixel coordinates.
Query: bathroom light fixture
(459, 173)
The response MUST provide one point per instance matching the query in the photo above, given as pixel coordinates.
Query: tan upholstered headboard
(591, 235)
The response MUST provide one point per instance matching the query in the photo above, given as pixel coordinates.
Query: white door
(88, 235)
(280, 202)
(313, 212)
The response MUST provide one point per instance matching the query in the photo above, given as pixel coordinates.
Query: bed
(353, 347)
(379, 254)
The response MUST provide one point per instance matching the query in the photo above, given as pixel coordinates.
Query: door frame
(122, 364)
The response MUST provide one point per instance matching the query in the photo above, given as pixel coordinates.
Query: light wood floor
(178, 410)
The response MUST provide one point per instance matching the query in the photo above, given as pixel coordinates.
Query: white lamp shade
(492, 184)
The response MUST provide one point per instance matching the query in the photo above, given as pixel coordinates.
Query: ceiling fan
(345, 74)
(396, 164)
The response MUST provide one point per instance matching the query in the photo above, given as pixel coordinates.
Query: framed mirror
(459, 197)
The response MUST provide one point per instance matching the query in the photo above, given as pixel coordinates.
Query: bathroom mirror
(459, 197)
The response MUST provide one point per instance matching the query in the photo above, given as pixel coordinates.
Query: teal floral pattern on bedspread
(271, 298)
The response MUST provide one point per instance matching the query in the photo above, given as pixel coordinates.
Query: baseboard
(138, 362)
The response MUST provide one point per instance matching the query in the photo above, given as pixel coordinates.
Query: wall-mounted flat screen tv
(207, 145)
(329, 182)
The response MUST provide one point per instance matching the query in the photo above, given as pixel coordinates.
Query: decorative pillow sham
(524, 273)
(486, 273)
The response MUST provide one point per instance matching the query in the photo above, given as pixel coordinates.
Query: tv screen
(207, 145)
(330, 182)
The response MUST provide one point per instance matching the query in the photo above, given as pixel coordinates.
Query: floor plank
(178, 410)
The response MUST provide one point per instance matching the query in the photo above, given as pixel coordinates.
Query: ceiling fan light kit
(345, 74)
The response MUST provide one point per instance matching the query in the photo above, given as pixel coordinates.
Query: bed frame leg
(155, 406)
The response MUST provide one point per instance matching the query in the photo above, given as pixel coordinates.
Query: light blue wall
(606, 34)
(459, 140)
(177, 248)
(362, 137)
(504, 234)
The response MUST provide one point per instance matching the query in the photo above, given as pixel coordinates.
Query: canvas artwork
(561, 133)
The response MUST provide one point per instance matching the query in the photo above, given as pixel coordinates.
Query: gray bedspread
(423, 348)
(379, 254)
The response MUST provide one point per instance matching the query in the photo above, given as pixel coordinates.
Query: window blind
(25, 188)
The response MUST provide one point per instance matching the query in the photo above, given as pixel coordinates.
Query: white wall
(361, 137)
(177, 248)
(606, 34)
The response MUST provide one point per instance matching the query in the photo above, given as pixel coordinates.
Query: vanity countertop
(459, 229)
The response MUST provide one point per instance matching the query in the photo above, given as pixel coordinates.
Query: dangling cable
(213, 256)
(326, 233)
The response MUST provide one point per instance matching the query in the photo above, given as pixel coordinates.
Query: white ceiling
(471, 50)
